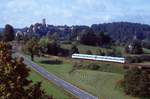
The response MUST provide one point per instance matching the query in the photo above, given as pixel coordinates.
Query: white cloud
(24, 12)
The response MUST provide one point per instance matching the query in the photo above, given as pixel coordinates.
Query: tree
(135, 47)
(53, 47)
(1, 36)
(89, 38)
(13, 78)
(43, 43)
(32, 47)
(103, 39)
(19, 36)
(49, 46)
(74, 49)
(146, 44)
(136, 82)
(9, 33)
(35, 92)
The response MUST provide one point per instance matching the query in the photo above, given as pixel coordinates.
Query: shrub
(89, 52)
(134, 47)
(74, 49)
(134, 59)
(93, 66)
(100, 52)
(66, 42)
(136, 82)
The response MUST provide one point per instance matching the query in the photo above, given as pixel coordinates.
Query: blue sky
(21, 13)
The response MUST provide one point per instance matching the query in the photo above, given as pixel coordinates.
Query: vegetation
(104, 39)
(98, 66)
(134, 59)
(9, 33)
(13, 78)
(74, 49)
(90, 38)
(101, 83)
(95, 77)
(135, 47)
(43, 43)
(89, 52)
(123, 32)
(52, 47)
(146, 44)
(85, 49)
(136, 82)
(49, 88)
(32, 47)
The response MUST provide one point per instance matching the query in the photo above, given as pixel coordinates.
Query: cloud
(22, 13)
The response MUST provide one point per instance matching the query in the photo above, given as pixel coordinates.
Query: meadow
(99, 83)
(102, 83)
(49, 87)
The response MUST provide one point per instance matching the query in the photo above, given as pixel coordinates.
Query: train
(99, 58)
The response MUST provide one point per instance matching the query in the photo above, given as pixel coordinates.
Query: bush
(136, 82)
(89, 52)
(89, 38)
(134, 59)
(134, 47)
(74, 49)
(93, 66)
(100, 52)
(146, 44)
(66, 42)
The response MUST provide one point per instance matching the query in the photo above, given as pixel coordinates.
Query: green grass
(101, 84)
(49, 88)
(83, 48)
(146, 51)
(107, 67)
(145, 63)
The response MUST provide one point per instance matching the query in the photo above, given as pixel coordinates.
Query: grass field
(101, 84)
(49, 88)
(84, 48)
(146, 51)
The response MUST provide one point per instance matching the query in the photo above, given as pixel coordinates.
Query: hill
(1, 29)
(119, 31)
(124, 31)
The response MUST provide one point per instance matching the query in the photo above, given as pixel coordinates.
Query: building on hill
(44, 22)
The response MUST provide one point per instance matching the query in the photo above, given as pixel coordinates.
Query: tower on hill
(44, 22)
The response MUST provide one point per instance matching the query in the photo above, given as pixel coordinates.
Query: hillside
(119, 31)
(124, 31)
(1, 29)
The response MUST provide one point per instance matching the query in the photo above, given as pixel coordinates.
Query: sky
(22, 13)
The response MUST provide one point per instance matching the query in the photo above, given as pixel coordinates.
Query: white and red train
(99, 58)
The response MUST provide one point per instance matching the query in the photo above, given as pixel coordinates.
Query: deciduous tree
(13, 78)
(9, 33)
(137, 82)
(32, 47)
